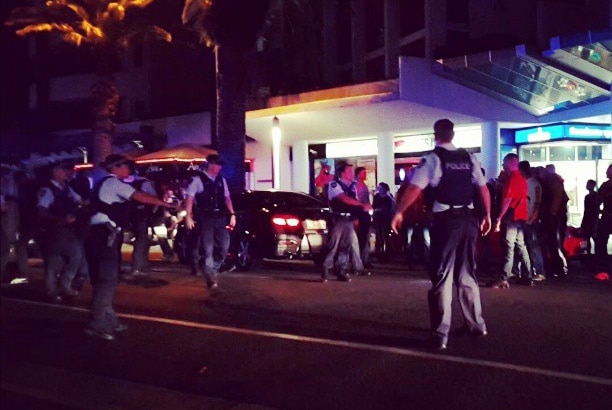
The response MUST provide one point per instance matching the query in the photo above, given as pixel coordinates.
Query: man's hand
(485, 226)
(497, 225)
(189, 224)
(396, 222)
(232, 221)
(367, 207)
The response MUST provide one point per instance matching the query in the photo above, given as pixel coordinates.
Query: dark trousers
(214, 243)
(453, 259)
(555, 262)
(63, 254)
(532, 240)
(343, 247)
(140, 254)
(363, 236)
(514, 240)
(604, 230)
(103, 262)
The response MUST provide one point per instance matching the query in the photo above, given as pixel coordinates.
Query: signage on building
(347, 149)
(464, 138)
(558, 132)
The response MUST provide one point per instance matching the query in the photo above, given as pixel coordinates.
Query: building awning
(588, 54)
(522, 80)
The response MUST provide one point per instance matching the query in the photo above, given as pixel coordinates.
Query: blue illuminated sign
(558, 132)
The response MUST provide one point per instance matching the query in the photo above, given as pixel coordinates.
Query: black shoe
(70, 292)
(464, 330)
(437, 345)
(120, 327)
(343, 277)
(99, 333)
(212, 284)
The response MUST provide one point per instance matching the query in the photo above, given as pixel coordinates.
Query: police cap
(115, 160)
(214, 159)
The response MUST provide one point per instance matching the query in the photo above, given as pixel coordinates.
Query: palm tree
(107, 26)
(231, 27)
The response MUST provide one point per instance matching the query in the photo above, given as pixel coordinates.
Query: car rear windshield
(262, 199)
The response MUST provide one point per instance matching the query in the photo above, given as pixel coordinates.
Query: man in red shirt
(513, 217)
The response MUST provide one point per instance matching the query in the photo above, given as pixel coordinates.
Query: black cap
(214, 159)
(115, 160)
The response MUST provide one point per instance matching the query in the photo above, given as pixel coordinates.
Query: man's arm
(506, 201)
(189, 224)
(485, 224)
(411, 194)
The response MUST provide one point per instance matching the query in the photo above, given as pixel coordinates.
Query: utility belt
(343, 216)
(455, 212)
(113, 233)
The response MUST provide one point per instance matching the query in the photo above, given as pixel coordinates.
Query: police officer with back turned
(213, 212)
(451, 173)
(110, 201)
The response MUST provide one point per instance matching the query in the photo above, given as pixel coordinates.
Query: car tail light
(286, 220)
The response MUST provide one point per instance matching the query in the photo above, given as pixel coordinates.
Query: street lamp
(276, 139)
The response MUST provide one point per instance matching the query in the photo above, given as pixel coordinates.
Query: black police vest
(212, 197)
(118, 212)
(455, 187)
(62, 204)
(138, 210)
(338, 206)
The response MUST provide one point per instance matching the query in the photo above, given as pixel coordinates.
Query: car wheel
(245, 255)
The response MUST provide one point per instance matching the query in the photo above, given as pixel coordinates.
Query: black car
(276, 225)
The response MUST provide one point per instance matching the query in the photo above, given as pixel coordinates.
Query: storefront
(579, 152)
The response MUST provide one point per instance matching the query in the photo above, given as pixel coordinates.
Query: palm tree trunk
(231, 108)
(105, 100)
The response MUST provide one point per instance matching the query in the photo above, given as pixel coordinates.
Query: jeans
(103, 262)
(514, 238)
(532, 240)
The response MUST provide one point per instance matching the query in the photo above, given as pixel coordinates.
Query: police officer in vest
(62, 246)
(213, 212)
(345, 208)
(110, 200)
(451, 173)
(140, 217)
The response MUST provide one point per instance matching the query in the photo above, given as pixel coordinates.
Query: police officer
(110, 202)
(450, 172)
(213, 212)
(140, 217)
(343, 242)
(62, 247)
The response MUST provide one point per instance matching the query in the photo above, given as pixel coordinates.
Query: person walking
(533, 229)
(450, 172)
(588, 226)
(513, 217)
(213, 212)
(343, 247)
(604, 229)
(110, 201)
(62, 247)
(364, 219)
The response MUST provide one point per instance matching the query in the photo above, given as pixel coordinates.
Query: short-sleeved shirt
(196, 185)
(363, 192)
(429, 172)
(46, 197)
(147, 185)
(335, 189)
(112, 190)
(516, 189)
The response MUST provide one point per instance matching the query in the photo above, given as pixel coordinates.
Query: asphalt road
(277, 338)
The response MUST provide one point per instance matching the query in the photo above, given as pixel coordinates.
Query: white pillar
(301, 167)
(385, 161)
(490, 150)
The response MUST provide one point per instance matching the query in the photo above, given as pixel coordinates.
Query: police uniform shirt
(147, 185)
(196, 186)
(335, 189)
(46, 197)
(112, 190)
(429, 172)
